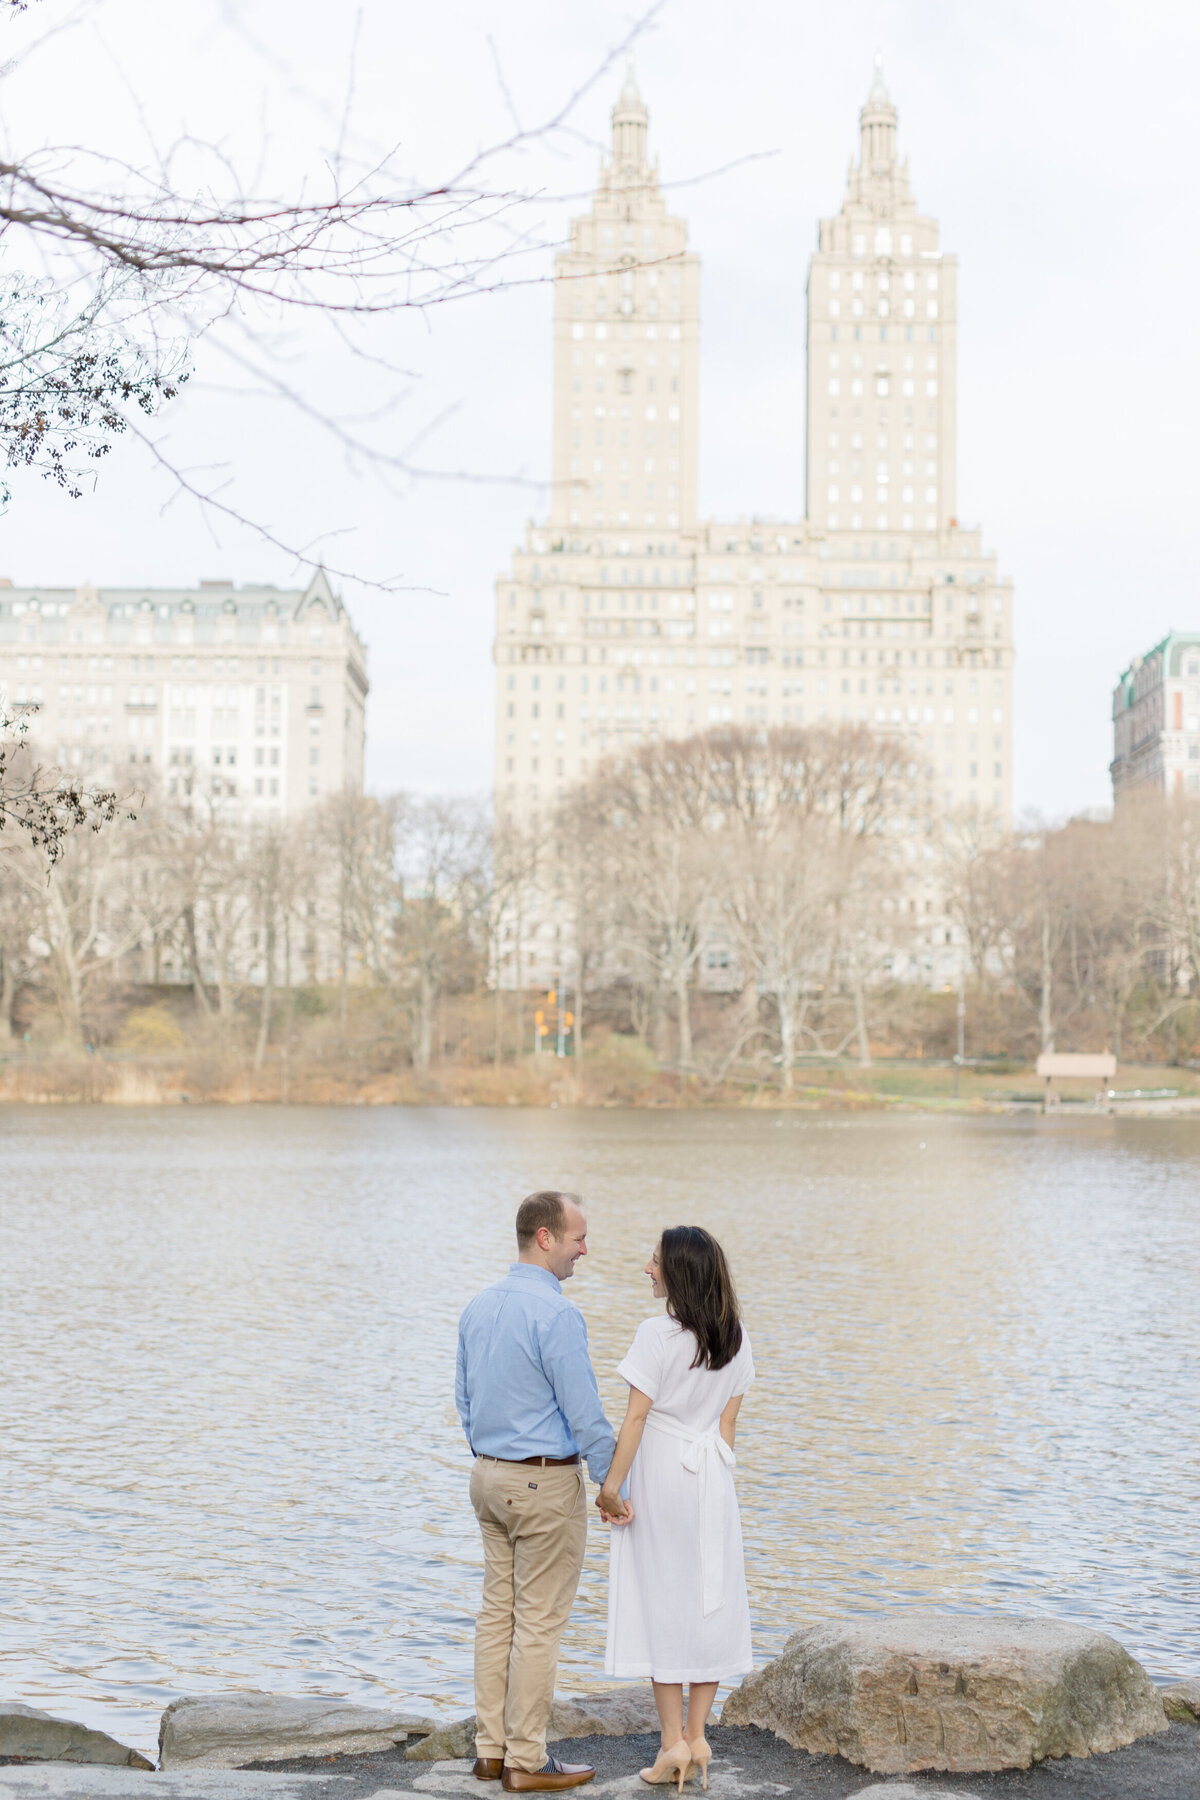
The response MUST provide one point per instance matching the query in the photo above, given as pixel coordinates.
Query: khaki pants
(534, 1525)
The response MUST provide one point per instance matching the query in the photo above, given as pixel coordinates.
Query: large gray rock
(227, 1731)
(24, 1731)
(908, 1790)
(445, 1743)
(948, 1692)
(1181, 1701)
(616, 1712)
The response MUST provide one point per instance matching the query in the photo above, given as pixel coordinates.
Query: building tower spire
(630, 121)
(877, 125)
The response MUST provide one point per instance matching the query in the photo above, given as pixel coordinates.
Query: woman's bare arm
(630, 1436)
(728, 1425)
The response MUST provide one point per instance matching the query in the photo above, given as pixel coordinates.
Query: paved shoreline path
(747, 1765)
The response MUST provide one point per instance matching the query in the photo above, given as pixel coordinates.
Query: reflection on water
(230, 1454)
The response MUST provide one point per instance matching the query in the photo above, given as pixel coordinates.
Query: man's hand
(613, 1510)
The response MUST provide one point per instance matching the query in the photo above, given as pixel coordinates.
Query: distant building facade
(248, 701)
(1156, 719)
(624, 617)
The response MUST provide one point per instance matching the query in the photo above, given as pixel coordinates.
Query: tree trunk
(423, 1034)
(519, 978)
(224, 997)
(658, 1023)
(68, 976)
(343, 952)
(8, 995)
(1046, 1006)
(1173, 1027)
(189, 925)
(860, 1023)
(578, 1042)
(264, 1016)
(787, 1043)
(684, 1011)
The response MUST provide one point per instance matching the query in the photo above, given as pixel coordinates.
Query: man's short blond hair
(547, 1208)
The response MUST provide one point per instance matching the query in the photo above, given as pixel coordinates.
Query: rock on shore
(950, 1692)
(616, 1712)
(24, 1731)
(227, 1731)
(1182, 1702)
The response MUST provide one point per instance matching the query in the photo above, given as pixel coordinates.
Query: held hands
(613, 1510)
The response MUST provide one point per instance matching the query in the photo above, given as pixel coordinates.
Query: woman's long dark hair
(701, 1294)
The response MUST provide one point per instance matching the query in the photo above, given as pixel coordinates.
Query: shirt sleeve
(745, 1365)
(569, 1370)
(643, 1366)
(462, 1399)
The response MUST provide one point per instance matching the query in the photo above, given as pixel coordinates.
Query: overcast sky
(1055, 142)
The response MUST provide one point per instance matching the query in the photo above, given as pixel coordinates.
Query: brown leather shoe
(555, 1775)
(488, 1768)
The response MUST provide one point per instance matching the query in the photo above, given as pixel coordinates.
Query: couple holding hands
(527, 1396)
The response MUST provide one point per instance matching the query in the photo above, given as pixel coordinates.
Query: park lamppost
(961, 1015)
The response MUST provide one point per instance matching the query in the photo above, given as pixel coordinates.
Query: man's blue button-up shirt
(525, 1385)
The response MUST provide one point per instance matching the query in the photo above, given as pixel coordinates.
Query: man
(527, 1397)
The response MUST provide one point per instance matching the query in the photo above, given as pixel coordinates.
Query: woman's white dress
(677, 1605)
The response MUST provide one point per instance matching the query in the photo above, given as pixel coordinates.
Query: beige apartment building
(247, 702)
(624, 617)
(1156, 719)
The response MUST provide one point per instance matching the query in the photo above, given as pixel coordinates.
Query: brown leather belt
(545, 1462)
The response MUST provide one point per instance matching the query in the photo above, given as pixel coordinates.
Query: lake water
(228, 1444)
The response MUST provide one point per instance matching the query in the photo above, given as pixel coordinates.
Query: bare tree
(18, 960)
(585, 874)
(647, 818)
(42, 806)
(144, 260)
(800, 811)
(100, 901)
(441, 899)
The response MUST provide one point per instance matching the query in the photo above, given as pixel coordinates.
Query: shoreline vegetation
(618, 1071)
(714, 922)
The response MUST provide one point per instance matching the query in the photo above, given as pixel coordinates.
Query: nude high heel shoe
(700, 1754)
(670, 1765)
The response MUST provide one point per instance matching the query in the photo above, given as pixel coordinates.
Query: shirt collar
(531, 1272)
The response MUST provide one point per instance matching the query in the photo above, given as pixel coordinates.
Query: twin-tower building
(626, 617)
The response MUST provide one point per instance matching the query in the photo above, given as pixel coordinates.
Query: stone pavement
(747, 1765)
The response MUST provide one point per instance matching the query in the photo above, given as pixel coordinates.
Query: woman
(677, 1606)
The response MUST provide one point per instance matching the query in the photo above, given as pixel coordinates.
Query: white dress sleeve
(643, 1365)
(743, 1366)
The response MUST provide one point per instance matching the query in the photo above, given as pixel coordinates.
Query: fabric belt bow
(702, 1455)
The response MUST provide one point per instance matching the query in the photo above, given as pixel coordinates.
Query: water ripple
(230, 1452)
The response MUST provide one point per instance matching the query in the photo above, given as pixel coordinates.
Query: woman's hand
(613, 1510)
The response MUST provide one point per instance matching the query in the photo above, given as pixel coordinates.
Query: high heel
(670, 1765)
(700, 1754)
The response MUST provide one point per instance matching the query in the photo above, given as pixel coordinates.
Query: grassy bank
(616, 1071)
